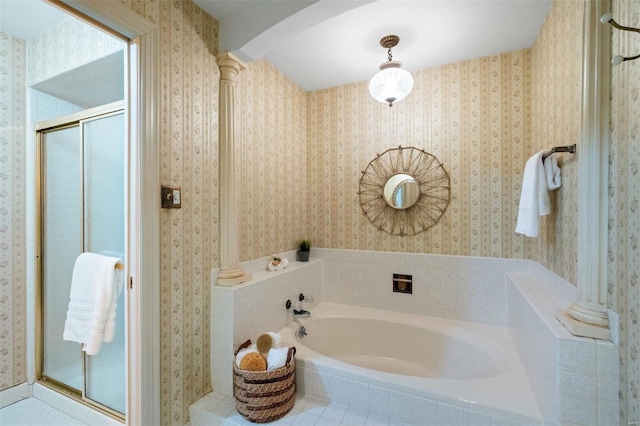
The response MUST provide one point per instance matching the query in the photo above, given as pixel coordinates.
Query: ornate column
(588, 315)
(230, 272)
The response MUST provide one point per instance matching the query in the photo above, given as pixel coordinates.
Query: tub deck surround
(575, 379)
(257, 306)
(455, 287)
(478, 368)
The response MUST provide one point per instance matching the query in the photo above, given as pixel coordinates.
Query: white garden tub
(411, 366)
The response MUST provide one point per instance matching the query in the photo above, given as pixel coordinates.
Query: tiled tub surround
(495, 292)
(575, 379)
(249, 309)
(356, 354)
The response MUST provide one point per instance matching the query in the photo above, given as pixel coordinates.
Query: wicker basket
(265, 396)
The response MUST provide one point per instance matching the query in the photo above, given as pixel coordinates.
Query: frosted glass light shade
(391, 83)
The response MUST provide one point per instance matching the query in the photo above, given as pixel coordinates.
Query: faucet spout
(301, 313)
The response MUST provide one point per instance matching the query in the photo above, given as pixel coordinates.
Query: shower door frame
(69, 121)
(143, 208)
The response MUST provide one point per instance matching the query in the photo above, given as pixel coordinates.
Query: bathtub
(422, 370)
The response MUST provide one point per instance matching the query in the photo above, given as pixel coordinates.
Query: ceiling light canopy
(391, 83)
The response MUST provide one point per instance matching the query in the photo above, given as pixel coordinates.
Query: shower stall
(81, 208)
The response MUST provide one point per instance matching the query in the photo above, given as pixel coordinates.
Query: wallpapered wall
(556, 86)
(473, 116)
(272, 161)
(624, 206)
(189, 242)
(13, 251)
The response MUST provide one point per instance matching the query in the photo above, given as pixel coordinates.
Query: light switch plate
(171, 197)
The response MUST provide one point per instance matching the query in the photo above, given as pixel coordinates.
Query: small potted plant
(303, 253)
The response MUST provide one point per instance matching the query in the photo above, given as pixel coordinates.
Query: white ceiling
(325, 43)
(25, 19)
(92, 84)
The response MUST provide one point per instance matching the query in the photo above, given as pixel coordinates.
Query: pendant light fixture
(391, 83)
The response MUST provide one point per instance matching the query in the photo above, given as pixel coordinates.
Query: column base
(231, 276)
(579, 328)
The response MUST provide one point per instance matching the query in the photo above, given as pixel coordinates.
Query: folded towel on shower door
(534, 199)
(95, 287)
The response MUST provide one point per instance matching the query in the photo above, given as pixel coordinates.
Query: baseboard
(14, 394)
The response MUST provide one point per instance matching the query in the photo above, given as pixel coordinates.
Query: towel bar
(569, 148)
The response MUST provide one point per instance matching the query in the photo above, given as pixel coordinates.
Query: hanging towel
(95, 287)
(534, 199)
(552, 172)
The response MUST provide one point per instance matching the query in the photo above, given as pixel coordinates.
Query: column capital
(230, 66)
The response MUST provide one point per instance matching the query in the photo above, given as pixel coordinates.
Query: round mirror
(404, 191)
(401, 191)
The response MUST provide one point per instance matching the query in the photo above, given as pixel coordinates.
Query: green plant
(305, 245)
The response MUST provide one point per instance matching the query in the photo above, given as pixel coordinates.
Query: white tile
(354, 418)
(358, 391)
(376, 420)
(400, 403)
(340, 387)
(305, 419)
(578, 398)
(474, 418)
(425, 410)
(379, 399)
(578, 356)
(335, 411)
(33, 412)
(607, 364)
(323, 421)
(315, 407)
(448, 415)
(223, 409)
(290, 416)
(501, 421)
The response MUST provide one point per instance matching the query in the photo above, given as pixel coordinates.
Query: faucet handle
(307, 298)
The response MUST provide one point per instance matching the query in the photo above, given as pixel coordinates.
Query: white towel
(276, 339)
(277, 358)
(242, 353)
(95, 287)
(534, 199)
(552, 172)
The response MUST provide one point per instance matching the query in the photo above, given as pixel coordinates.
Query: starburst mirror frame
(428, 175)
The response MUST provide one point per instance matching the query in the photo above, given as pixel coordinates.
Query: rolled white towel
(277, 358)
(276, 339)
(283, 264)
(244, 352)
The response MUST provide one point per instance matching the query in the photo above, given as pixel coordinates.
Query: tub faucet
(301, 313)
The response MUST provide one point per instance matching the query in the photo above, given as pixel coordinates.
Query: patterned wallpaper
(69, 44)
(189, 242)
(624, 206)
(13, 256)
(272, 160)
(473, 116)
(556, 86)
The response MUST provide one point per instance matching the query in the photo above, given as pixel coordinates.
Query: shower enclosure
(81, 206)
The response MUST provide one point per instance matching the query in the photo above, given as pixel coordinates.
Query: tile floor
(33, 412)
(306, 412)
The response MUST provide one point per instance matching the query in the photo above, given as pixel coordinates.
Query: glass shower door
(83, 210)
(104, 187)
(61, 245)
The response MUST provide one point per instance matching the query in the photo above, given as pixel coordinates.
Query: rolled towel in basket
(276, 339)
(243, 352)
(277, 358)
